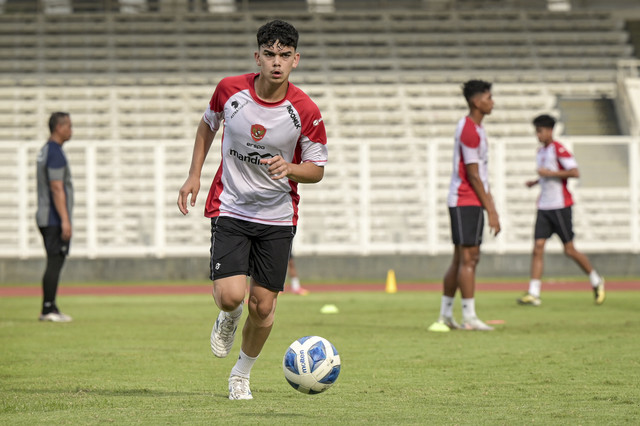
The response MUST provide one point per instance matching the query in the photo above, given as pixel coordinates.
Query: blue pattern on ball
(304, 339)
(317, 355)
(290, 362)
(331, 377)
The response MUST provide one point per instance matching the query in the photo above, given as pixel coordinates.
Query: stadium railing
(378, 196)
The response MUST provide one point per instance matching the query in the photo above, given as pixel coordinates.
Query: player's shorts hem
(467, 225)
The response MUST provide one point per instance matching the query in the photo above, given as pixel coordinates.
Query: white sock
(295, 283)
(469, 308)
(237, 312)
(446, 306)
(243, 365)
(534, 287)
(595, 278)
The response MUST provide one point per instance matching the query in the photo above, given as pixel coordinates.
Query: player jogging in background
(468, 196)
(555, 166)
(273, 139)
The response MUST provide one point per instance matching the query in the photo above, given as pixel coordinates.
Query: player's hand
(66, 231)
(494, 224)
(531, 183)
(191, 186)
(277, 167)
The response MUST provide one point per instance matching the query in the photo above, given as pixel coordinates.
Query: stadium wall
(408, 268)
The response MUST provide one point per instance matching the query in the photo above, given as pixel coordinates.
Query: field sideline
(205, 287)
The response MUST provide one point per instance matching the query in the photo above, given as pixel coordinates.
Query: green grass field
(146, 360)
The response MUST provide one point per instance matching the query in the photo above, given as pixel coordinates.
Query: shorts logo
(257, 132)
(217, 266)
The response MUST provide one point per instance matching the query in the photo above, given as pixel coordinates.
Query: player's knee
(228, 304)
(570, 251)
(260, 309)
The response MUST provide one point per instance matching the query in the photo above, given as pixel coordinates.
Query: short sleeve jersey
(554, 193)
(52, 165)
(253, 130)
(470, 146)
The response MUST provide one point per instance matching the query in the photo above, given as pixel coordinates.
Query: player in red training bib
(555, 166)
(469, 196)
(273, 139)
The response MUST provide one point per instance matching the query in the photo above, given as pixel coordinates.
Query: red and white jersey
(470, 147)
(553, 191)
(255, 130)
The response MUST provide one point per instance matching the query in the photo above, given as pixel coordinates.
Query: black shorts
(261, 251)
(467, 224)
(53, 243)
(557, 221)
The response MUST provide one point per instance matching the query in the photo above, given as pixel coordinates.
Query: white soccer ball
(311, 364)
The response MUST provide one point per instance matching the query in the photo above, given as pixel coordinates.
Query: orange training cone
(391, 286)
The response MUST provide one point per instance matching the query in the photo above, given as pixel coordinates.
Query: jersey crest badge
(257, 132)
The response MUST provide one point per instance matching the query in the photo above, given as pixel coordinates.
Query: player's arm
(204, 139)
(60, 202)
(560, 174)
(473, 174)
(306, 172)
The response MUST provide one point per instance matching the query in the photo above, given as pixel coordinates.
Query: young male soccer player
(555, 165)
(468, 196)
(273, 139)
(55, 206)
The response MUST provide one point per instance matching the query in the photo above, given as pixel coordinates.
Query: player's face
(277, 61)
(544, 134)
(484, 102)
(64, 129)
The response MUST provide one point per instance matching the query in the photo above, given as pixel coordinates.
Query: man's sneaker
(55, 317)
(300, 291)
(223, 333)
(529, 299)
(598, 292)
(475, 324)
(239, 388)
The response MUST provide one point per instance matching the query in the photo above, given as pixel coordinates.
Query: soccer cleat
(598, 292)
(300, 291)
(239, 388)
(475, 324)
(55, 317)
(450, 322)
(223, 333)
(529, 299)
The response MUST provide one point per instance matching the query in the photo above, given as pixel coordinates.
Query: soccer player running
(55, 206)
(468, 196)
(273, 139)
(555, 166)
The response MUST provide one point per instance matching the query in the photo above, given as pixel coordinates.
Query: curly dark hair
(280, 31)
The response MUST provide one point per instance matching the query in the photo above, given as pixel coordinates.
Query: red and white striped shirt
(553, 191)
(470, 147)
(255, 130)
